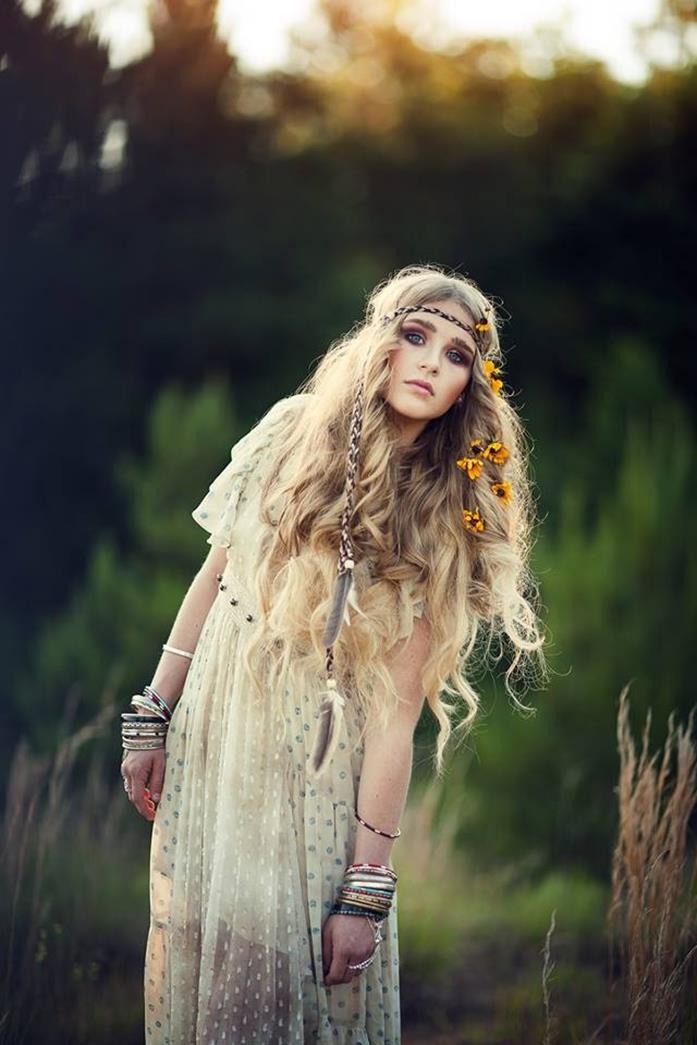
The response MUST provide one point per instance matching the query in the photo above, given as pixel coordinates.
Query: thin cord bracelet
(376, 830)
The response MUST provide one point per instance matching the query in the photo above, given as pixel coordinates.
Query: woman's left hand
(347, 939)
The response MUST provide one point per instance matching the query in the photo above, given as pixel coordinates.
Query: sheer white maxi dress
(246, 855)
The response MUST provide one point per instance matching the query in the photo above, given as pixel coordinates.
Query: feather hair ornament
(331, 711)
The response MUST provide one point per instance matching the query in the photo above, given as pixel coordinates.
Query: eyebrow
(453, 340)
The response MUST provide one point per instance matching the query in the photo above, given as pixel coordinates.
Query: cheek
(396, 361)
(457, 386)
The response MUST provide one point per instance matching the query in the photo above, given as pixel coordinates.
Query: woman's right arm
(171, 669)
(142, 768)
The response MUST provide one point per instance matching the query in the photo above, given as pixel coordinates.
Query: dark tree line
(240, 227)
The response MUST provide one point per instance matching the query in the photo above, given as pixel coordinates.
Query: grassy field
(487, 955)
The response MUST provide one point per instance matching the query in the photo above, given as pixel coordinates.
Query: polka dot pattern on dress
(246, 857)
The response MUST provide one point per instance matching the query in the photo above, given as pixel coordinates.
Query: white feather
(352, 600)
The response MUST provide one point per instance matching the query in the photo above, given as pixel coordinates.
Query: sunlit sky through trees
(259, 33)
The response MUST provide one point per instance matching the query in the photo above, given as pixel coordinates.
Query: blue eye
(459, 358)
(412, 333)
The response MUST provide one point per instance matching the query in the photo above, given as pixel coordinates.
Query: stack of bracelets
(366, 889)
(142, 732)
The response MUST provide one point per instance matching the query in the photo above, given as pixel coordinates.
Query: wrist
(368, 888)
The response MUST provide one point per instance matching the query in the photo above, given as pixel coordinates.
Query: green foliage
(239, 236)
(249, 216)
(619, 587)
(189, 437)
(73, 897)
(110, 633)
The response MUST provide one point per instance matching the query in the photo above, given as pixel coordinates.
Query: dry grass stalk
(26, 778)
(653, 904)
(547, 970)
(36, 805)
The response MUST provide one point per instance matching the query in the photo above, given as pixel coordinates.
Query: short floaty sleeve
(217, 511)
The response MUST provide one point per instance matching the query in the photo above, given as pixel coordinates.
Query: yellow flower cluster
(490, 369)
(473, 520)
(472, 466)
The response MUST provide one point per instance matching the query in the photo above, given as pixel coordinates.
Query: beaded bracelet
(344, 908)
(376, 830)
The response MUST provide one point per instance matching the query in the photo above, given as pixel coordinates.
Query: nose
(430, 364)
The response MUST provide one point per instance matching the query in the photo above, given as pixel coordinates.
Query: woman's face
(434, 350)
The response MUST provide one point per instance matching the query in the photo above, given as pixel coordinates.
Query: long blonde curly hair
(411, 547)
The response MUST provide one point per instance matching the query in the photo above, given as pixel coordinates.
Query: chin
(413, 411)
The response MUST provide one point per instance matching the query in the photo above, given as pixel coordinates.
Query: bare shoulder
(408, 658)
(417, 647)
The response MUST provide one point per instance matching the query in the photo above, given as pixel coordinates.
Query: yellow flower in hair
(471, 465)
(490, 369)
(477, 448)
(472, 520)
(502, 490)
(497, 453)
(483, 323)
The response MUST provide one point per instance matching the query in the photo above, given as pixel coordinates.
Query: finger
(337, 971)
(127, 786)
(326, 949)
(138, 797)
(157, 777)
(351, 974)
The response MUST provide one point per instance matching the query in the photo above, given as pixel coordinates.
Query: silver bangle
(141, 745)
(173, 649)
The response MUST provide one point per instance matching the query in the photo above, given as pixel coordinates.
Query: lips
(421, 384)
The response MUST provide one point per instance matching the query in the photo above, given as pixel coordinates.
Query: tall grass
(653, 913)
(73, 903)
(469, 938)
(57, 840)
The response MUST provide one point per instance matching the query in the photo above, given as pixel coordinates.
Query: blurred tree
(54, 86)
(239, 228)
(55, 93)
(620, 589)
(673, 19)
(111, 630)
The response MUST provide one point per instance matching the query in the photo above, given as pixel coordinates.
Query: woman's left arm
(382, 792)
(387, 758)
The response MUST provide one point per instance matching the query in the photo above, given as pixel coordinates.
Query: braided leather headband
(480, 327)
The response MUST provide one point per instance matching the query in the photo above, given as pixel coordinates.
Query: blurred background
(195, 200)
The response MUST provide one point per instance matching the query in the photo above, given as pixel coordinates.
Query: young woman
(365, 534)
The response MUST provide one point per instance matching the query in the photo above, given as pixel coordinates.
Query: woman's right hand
(144, 773)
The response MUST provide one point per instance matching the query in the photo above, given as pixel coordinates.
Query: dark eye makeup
(461, 358)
